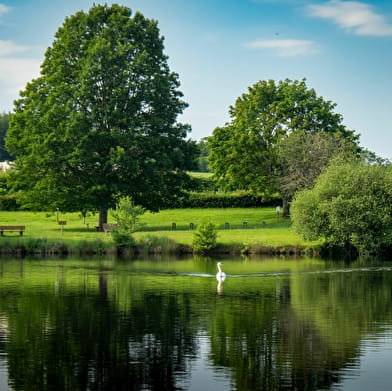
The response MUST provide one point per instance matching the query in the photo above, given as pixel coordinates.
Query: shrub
(204, 184)
(204, 239)
(151, 244)
(8, 202)
(350, 205)
(127, 216)
(122, 238)
(239, 199)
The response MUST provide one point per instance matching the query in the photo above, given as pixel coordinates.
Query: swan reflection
(220, 276)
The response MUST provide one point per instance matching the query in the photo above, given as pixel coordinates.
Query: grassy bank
(249, 230)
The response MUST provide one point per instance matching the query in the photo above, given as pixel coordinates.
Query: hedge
(226, 200)
(8, 202)
(193, 200)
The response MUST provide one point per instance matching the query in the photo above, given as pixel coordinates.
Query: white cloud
(359, 18)
(18, 71)
(4, 9)
(285, 47)
(8, 47)
(15, 73)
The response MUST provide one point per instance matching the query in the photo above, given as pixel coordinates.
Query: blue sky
(221, 47)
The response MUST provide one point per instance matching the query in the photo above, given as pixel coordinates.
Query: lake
(168, 324)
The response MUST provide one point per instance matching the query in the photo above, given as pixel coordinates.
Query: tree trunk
(103, 217)
(286, 210)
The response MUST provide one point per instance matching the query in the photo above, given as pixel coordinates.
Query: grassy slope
(274, 232)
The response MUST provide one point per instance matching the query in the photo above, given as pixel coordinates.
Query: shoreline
(43, 247)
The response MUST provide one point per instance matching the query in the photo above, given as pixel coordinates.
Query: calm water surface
(272, 324)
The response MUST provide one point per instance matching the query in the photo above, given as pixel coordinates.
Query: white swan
(220, 276)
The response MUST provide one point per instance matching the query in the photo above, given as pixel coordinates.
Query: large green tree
(101, 120)
(350, 205)
(244, 152)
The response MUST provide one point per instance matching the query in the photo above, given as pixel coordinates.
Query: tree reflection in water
(81, 341)
(117, 331)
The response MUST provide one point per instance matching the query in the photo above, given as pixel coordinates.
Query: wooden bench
(12, 228)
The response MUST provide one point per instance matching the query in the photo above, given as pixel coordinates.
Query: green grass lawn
(45, 225)
(202, 175)
(264, 227)
(267, 237)
(235, 217)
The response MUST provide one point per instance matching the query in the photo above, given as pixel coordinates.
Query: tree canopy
(304, 156)
(244, 152)
(101, 120)
(350, 205)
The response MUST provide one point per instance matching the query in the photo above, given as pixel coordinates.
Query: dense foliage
(350, 205)
(304, 156)
(240, 199)
(244, 152)
(4, 120)
(100, 121)
(204, 239)
(127, 216)
(7, 199)
(8, 202)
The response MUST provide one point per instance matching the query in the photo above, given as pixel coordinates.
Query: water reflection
(220, 276)
(106, 325)
(219, 287)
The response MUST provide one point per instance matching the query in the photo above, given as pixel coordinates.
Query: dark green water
(168, 325)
